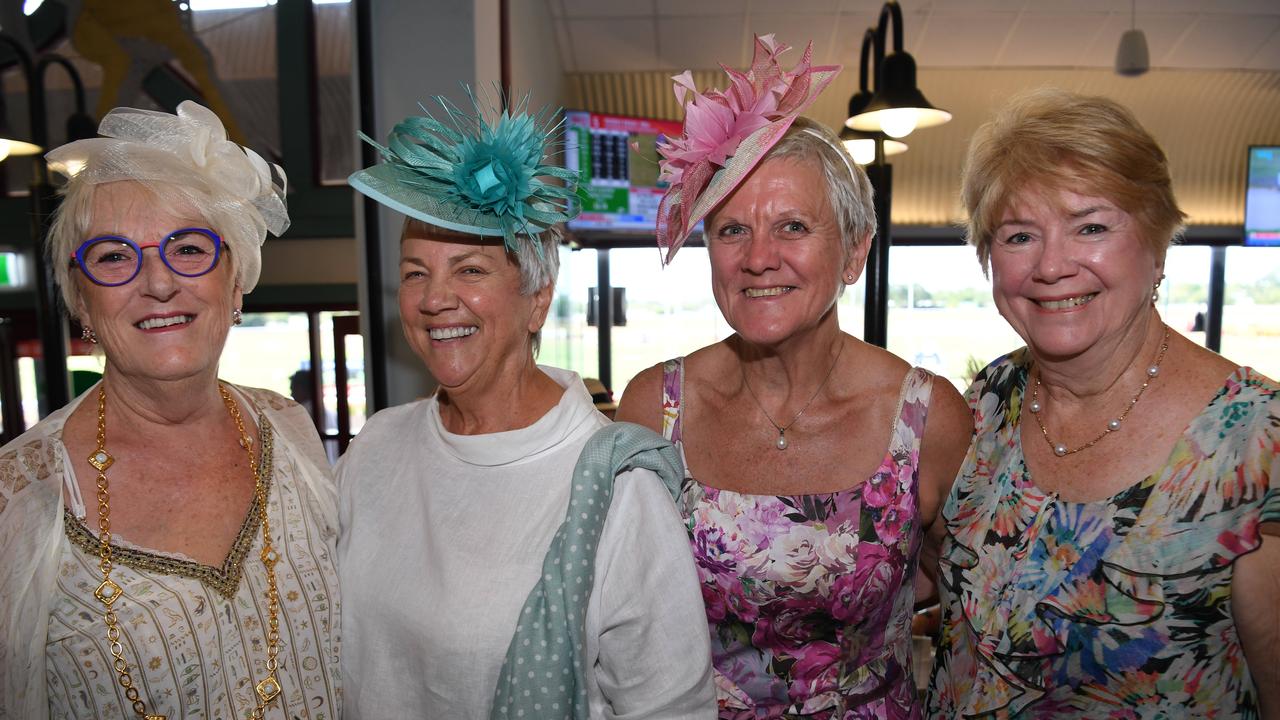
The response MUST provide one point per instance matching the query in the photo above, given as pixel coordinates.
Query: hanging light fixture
(1132, 58)
(862, 146)
(898, 107)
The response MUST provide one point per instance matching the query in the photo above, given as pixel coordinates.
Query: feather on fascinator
(187, 154)
(727, 132)
(479, 173)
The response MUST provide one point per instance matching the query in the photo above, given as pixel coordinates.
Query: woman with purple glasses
(166, 539)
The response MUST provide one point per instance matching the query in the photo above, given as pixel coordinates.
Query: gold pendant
(107, 593)
(155, 717)
(101, 460)
(268, 689)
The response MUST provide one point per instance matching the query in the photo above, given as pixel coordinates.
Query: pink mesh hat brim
(727, 133)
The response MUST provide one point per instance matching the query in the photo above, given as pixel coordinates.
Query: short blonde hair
(1055, 139)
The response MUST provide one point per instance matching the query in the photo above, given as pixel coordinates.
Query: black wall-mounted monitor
(1262, 197)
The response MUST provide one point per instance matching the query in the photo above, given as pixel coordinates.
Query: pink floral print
(809, 597)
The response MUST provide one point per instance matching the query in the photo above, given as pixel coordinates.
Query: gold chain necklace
(108, 592)
(781, 443)
(1061, 449)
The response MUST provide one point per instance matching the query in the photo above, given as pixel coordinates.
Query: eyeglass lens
(110, 260)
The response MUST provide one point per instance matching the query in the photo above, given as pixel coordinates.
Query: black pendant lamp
(898, 107)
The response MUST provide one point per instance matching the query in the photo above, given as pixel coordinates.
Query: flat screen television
(618, 186)
(1262, 197)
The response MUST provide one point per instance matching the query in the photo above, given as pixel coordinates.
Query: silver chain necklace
(781, 442)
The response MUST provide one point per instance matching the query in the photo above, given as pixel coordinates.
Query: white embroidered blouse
(194, 636)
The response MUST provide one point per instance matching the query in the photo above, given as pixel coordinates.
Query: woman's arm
(646, 624)
(1255, 589)
(948, 431)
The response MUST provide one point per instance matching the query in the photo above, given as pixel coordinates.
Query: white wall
(535, 57)
(419, 50)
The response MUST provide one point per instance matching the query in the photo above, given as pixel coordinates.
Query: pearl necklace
(781, 443)
(1113, 425)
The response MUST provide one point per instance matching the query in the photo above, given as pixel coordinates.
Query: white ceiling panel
(1164, 32)
(1182, 34)
(613, 45)
(960, 40)
(1213, 7)
(1223, 41)
(966, 7)
(1268, 56)
(1050, 40)
(607, 8)
(694, 46)
(796, 31)
(685, 8)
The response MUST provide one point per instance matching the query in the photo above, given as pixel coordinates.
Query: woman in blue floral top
(1110, 547)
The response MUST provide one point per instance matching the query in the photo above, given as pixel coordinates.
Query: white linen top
(192, 650)
(442, 538)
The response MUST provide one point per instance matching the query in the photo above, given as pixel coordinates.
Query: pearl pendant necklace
(781, 443)
(1114, 424)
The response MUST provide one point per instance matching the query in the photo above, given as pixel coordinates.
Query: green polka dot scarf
(543, 675)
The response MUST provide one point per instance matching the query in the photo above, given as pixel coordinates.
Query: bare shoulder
(641, 401)
(643, 397)
(949, 425)
(870, 368)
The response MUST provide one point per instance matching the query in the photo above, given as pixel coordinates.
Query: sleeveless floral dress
(1110, 610)
(809, 597)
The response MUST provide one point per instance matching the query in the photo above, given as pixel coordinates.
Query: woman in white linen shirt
(448, 505)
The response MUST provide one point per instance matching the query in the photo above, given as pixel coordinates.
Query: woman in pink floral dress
(815, 462)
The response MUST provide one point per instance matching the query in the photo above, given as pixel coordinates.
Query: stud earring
(237, 317)
(87, 334)
(848, 278)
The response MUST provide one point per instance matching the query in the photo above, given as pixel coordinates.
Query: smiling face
(1071, 272)
(777, 261)
(159, 326)
(462, 311)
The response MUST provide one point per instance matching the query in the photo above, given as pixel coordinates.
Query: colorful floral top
(809, 597)
(1112, 609)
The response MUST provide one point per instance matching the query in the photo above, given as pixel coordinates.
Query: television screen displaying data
(1262, 197)
(618, 186)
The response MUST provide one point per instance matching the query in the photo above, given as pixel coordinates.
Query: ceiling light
(1132, 58)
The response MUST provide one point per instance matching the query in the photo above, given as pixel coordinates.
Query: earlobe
(857, 261)
(541, 305)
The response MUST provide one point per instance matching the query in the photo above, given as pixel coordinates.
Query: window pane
(941, 315)
(266, 350)
(354, 347)
(1251, 311)
(567, 341)
(670, 310)
(1184, 294)
(27, 388)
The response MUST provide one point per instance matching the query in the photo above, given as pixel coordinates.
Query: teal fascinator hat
(483, 173)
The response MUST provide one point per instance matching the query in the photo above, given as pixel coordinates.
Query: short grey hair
(848, 189)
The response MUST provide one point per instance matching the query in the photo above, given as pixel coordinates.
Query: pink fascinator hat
(727, 132)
